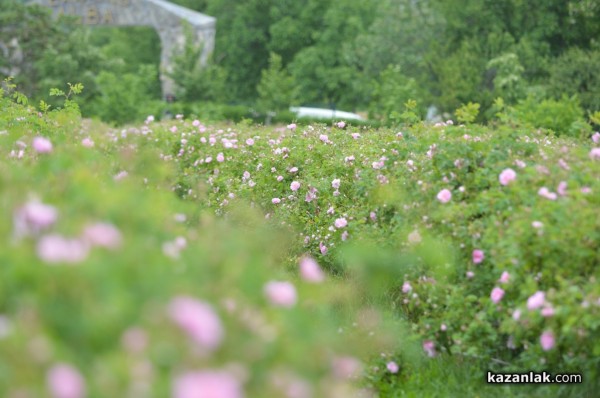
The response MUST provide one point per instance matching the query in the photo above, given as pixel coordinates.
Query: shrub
(390, 92)
(576, 73)
(564, 116)
(124, 98)
(110, 283)
(483, 242)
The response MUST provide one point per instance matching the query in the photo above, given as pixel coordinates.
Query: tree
(277, 89)
(197, 82)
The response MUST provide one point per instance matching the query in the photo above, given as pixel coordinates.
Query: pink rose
(497, 294)
(310, 270)
(64, 381)
(199, 320)
(281, 294)
(207, 384)
(478, 256)
(507, 176)
(547, 341)
(42, 145)
(444, 196)
(536, 300)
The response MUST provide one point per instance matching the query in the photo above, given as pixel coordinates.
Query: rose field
(188, 259)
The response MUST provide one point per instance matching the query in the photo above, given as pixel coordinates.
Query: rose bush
(161, 258)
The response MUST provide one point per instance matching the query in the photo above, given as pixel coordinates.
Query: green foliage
(339, 53)
(104, 312)
(241, 44)
(44, 52)
(277, 89)
(124, 98)
(575, 72)
(197, 81)
(508, 79)
(467, 113)
(390, 92)
(563, 116)
(204, 192)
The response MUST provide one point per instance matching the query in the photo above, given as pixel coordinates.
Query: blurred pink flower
(33, 217)
(207, 384)
(547, 311)
(295, 185)
(249, 142)
(596, 137)
(346, 367)
(562, 188)
(310, 270)
(594, 153)
(507, 176)
(104, 235)
(547, 341)
(563, 164)
(444, 196)
(470, 274)
(373, 216)
(65, 381)
(392, 367)
(429, 348)
(341, 124)
(516, 315)
(344, 236)
(292, 126)
(322, 248)
(120, 175)
(341, 223)
(87, 142)
(336, 183)
(42, 145)
(545, 192)
(378, 165)
(220, 157)
(505, 277)
(497, 294)
(275, 201)
(324, 138)
(196, 123)
(478, 256)
(58, 249)
(536, 300)
(311, 194)
(406, 287)
(198, 319)
(281, 294)
(520, 164)
(279, 178)
(537, 224)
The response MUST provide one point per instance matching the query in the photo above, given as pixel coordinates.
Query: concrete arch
(166, 18)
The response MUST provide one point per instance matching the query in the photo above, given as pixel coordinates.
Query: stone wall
(166, 18)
